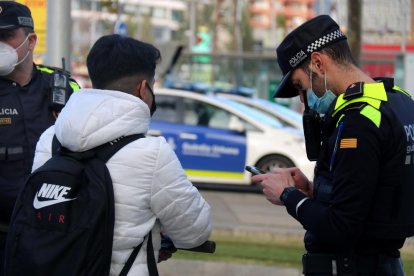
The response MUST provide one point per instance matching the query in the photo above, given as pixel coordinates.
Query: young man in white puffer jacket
(151, 189)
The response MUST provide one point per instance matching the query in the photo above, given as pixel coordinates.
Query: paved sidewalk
(243, 215)
(174, 267)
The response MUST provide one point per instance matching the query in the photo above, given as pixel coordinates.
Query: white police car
(286, 115)
(215, 138)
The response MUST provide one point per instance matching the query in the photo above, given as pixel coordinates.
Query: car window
(282, 109)
(204, 114)
(167, 109)
(253, 113)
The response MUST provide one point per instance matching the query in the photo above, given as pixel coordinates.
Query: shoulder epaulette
(353, 91)
(50, 69)
(388, 82)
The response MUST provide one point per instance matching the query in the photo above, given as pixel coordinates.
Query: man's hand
(301, 181)
(274, 183)
(167, 248)
(165, 254)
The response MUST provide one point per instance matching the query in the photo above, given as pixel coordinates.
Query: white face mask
(9, 57)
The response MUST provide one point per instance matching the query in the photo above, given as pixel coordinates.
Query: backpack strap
(152, 265)
(55, 145)
(107, 150)
(104, 153)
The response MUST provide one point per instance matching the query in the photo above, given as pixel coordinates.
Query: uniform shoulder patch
(348, 143)
(353, 91)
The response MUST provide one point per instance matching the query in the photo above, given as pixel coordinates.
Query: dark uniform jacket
(363, 193)
(24, 115)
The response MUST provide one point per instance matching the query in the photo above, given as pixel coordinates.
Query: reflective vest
(392, 214)
(24, 115)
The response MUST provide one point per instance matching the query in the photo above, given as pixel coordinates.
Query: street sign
(121, 28)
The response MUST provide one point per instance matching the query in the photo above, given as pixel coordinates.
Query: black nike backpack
(63, 220)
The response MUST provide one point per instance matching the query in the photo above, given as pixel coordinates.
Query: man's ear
(141, 91)
(137, 90)
(318, 63)
(32, 41)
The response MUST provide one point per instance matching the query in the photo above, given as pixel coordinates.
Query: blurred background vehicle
(215, 138)
(286, 115)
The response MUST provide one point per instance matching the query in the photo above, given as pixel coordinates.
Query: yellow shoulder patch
(349, 143)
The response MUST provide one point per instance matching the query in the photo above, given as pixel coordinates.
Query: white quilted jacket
(150, 186)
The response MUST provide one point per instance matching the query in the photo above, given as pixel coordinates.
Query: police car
(286, 115)
(215, 138)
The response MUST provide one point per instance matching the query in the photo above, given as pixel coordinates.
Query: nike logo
(53, 193)
(40, 204)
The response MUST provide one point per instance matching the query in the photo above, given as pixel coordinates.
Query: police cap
(14, 15)
(311, 36)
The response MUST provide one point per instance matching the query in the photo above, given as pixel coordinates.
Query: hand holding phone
(254, 170)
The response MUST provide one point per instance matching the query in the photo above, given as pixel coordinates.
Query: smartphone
(254, 170)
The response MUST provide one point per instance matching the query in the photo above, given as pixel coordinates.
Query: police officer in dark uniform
(29, 103)
(359, 209)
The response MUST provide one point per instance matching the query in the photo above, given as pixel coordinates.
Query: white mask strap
(310, 76)
(22, 59)
(27, 37)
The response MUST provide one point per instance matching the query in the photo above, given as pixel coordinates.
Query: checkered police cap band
(298, 45)
(319, 43)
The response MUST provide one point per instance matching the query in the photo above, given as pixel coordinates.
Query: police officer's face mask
(9, 58)
(320, 104)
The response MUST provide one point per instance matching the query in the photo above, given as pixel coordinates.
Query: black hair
(338, 52)
(28, 30)
(6, 34)
(113, 57)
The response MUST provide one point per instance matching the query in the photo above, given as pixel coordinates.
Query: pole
(59, 33)
(92, 27)
(192, 35)
(354, 33)
(217, 20)
(404, 6)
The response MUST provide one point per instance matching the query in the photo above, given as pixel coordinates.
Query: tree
(354, 28)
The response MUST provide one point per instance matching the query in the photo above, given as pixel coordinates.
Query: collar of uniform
(35, 73)
(372, 93)
(376, 91)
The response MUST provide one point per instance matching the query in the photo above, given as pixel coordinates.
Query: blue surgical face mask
(312, 98)
(322, 104)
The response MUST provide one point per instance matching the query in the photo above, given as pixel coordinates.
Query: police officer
(359, 209)
(27, 105)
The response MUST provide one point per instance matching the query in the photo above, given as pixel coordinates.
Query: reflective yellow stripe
(374, 93)
(373, 114)
(44, 69)
(74, 86)
(373, 102)
(339, 120)
(214, 174)
(401, 90)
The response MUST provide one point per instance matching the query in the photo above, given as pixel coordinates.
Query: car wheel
(274, 161)
(270, 162)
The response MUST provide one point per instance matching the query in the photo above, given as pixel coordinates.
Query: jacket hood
(93, 117)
